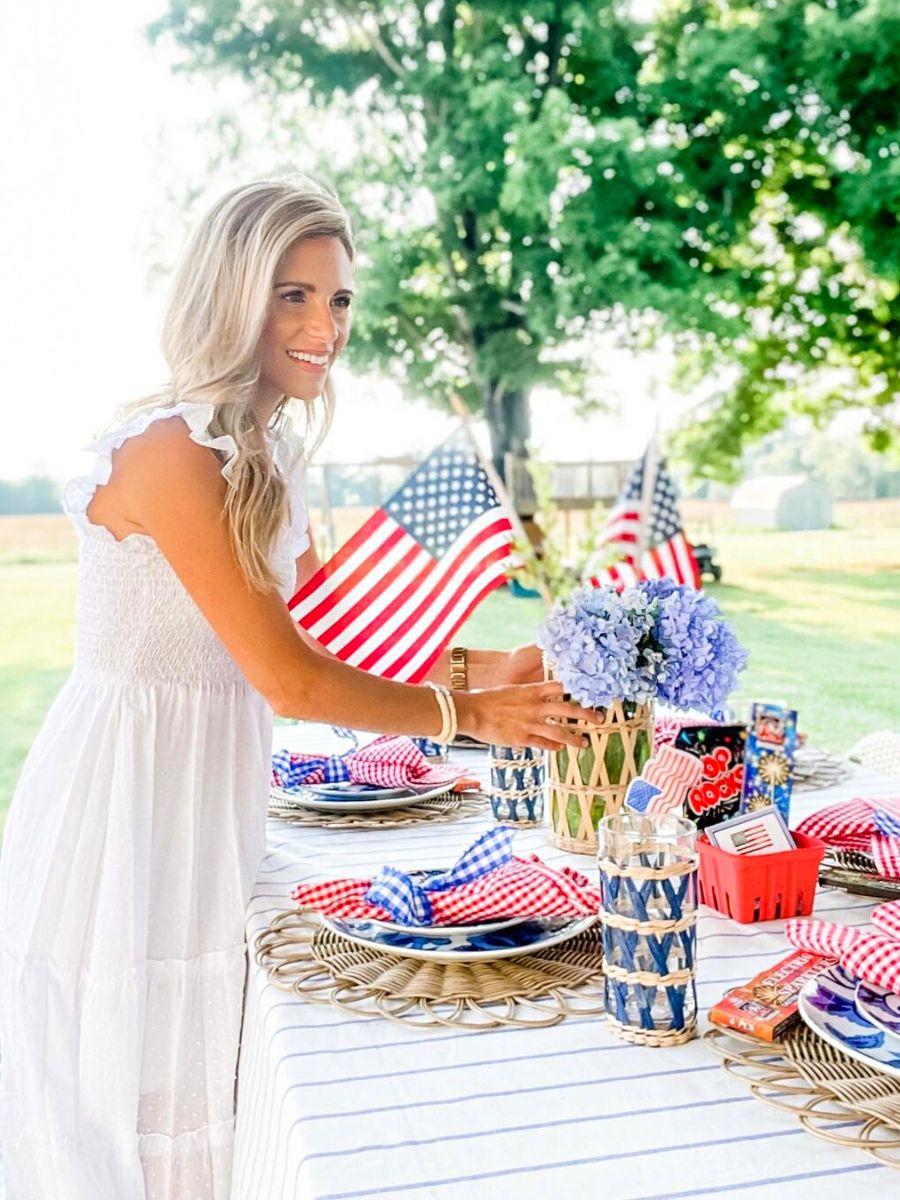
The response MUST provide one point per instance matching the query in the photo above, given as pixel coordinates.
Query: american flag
(674, 772)
(667, 552)
(391, 598)
(753, 839)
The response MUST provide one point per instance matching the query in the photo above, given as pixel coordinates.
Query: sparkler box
(769, 758)
(720, 748)
(766, 1007)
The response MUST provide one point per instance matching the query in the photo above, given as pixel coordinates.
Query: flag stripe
(391, 618)
(321, 619)
(374, 610)
(388, 567)
(417, 623)
(447, 632)
(400, 617)
(334, 572)
(449, 615)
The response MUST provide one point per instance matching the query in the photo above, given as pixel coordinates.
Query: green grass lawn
(819, 612)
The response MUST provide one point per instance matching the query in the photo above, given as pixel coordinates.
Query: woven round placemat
(831, 1095)
(449, 807)
(299, 955)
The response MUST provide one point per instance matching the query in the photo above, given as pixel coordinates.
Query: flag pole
(648, 485)
(459, 407)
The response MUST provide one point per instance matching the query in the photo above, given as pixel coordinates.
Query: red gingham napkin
(396, 762)
(886, 852)
(886, 918)
(522, 887)
(852, 826)
(871, 954)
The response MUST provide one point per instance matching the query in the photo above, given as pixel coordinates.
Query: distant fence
(340, 492)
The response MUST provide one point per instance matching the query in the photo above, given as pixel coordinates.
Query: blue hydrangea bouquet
(618, 652)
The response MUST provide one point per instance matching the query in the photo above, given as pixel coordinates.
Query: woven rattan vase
(588, 784)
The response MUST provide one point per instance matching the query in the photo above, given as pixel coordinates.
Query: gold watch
(459, 669)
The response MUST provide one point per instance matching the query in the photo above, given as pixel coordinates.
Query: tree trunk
(509, 423)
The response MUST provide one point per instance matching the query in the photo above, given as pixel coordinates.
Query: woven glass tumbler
(430, 748)
(517, 785)
(648, 883)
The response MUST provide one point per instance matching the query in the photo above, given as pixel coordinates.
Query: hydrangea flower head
(657, 639)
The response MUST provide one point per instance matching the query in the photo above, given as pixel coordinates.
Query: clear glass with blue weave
(517, 784)
(648, 883)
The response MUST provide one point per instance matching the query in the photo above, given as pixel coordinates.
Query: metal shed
(782, 502)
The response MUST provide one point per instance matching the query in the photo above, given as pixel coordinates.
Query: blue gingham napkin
(408, 902)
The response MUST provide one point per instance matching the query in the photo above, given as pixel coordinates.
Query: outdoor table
(339, 1107)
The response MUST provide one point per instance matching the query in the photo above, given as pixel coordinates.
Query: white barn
(782, 502)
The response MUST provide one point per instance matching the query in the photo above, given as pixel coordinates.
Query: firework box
(769, 758)
(717, 794)
(766, 1007)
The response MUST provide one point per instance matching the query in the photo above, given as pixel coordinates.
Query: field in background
(819, 612)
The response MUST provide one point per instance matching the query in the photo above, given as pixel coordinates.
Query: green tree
(728, 173)
(785, 132)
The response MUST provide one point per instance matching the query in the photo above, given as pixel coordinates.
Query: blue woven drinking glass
(517, 785)
(648, 883)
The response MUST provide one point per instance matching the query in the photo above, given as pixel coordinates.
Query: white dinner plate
(828, 1005)
(406, 798)
(527, 937)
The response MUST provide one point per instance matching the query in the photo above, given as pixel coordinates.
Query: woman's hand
(533, 714)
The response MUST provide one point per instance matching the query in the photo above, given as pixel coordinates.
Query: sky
(101, 138)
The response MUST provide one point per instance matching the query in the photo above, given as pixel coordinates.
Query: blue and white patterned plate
(526, 938)
(828, 1006)
(330, 798)
(356, 791)
(880, 1006)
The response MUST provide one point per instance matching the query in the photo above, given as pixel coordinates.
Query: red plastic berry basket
(761, 887)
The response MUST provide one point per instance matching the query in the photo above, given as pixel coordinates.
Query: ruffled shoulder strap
(290, 458)
(78, 492)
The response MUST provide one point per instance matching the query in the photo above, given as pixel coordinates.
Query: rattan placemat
(301, 956)
(449, 807)
(832, 1095)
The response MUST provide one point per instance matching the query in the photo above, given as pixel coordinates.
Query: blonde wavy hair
(220, 300)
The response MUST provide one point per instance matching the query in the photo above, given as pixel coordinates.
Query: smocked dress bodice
(136, 620)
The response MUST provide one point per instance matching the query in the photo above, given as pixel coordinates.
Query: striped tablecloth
(336, 1107)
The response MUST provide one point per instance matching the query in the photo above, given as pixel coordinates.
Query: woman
(138, 824)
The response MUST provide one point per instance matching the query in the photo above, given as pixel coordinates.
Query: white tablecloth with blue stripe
(337, 1107)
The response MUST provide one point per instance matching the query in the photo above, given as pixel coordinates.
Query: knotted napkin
(386, 762)
(872, 826)
(872, 954)
(486, 881)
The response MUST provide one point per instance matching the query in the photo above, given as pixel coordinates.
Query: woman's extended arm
(172, 489)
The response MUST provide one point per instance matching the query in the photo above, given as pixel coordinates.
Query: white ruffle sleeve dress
(130, 851)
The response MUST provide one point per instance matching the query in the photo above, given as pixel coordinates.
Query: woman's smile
(306, 360)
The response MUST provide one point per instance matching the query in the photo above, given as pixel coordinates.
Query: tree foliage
(728, 173)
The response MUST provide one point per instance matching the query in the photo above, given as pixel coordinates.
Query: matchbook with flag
(392, 597)
(643, 533)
